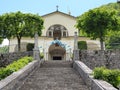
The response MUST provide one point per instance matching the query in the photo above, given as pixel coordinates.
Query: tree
(4, 28)
(1, 40)
(34, 23)
(21, 25)
(82, 45)
(97, 22)
(1, 25)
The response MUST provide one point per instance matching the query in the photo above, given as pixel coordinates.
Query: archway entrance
(56, 52)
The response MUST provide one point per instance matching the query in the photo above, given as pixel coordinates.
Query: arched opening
(57, 31)
(57, 34)
(56, 52)
(50, 34)
(64, 34)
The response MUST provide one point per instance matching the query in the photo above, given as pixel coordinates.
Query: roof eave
(59, 12)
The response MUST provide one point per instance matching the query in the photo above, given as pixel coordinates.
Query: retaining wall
(107, 58)
(86, 74)
(15, 80)
(8, 58)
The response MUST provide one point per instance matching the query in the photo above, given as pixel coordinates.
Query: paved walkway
(54, 75)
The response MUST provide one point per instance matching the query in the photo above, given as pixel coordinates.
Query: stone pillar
(70, 54)
(52, 33)
(47, 56)
(76, 50)
(75, 41)
(36, 52)
(76, 55)
(62, 33)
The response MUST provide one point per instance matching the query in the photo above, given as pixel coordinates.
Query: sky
(42, 7)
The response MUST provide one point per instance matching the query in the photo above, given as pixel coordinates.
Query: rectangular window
(64, 34)
(50, 34)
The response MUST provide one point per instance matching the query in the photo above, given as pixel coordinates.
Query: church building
(57, 40)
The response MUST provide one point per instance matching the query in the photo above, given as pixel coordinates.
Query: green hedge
(111, 76)
(1, 40)
(41, 55)
(82, 45)
(4, 49)
(15, 66)
(30, 46)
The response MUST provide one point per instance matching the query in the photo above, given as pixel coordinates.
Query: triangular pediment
(59, 13)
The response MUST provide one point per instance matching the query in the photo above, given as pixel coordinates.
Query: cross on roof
(57, 8)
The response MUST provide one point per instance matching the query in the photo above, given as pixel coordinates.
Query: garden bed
(111, 76)
(15, 79)
(87, 75)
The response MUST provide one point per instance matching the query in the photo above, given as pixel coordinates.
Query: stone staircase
(54, 75)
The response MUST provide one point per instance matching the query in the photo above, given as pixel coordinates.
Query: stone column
(70, 54)
(52, 33)
(61, 33)
(36, 52)
(75, 41)
(76, 50)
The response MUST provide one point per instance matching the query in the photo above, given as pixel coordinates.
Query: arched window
(50, 34)
(57, 31)
(64, 34)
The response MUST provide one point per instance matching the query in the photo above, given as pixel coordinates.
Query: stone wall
(87, 76)
(107, 58)
(8, 58)
(15, 80)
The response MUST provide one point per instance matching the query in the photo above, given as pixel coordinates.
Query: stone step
(54, 75)
(57, 64)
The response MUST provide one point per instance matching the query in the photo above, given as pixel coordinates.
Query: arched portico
(57, 52)
(57, 31)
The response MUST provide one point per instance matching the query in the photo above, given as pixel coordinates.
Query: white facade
(54, 20)
(62, 19)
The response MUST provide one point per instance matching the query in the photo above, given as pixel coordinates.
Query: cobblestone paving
(54, 75)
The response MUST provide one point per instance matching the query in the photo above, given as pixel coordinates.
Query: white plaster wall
(62, 19)
(45, 42)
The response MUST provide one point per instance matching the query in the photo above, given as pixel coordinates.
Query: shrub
(98, 72)
(111, 76)
(41, 55)
(15, 66)
(82, 45)
(30, 46)
(1, 40)
(4, 49)
(4, 72)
